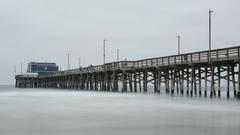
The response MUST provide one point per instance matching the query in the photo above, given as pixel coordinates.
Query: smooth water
(66, 112)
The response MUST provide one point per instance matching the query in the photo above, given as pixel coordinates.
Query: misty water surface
(68, 112)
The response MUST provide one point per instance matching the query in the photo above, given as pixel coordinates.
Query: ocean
(74, 112)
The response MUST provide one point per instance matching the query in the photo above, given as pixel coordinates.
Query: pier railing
(224, 54)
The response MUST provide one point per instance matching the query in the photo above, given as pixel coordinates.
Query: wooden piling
(145, 81)
(212, 82)
(187, 72)
(182, 82)
(228, 82)
(206, 87)
(135, 81)
(233, 80)
(172, 81)
(139, 81)
(124, 86)
(200, 81)
(219, 81)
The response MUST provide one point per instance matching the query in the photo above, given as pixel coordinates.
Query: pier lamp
(178, 39)
(104, 51)
(210, 32)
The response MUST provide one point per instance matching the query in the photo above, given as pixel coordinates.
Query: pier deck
(196, 73)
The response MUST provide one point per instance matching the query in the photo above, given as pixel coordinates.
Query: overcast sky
(46, 30)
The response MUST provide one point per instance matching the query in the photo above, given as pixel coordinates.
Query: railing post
(217, 54)
(186, 58)
(181, 59)
(227, 54)
(199, 58)
(175, 60)
(238, 52)
(208, 56)
(191, 58)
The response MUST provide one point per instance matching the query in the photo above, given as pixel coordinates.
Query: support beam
(135, 81)
(212, 93)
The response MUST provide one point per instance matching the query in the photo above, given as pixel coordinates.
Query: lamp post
(117, 55)
(68, 63)
(104, 51)
(210, 33)
(21, 68)
(179, 40)
(15, 70)
(79, 62)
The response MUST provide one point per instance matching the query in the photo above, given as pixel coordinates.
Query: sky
(47, 30)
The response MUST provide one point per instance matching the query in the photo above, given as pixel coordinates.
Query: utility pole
(68, 66)
(210, 32)
(117, 55)
(179, 42)
(104, 53)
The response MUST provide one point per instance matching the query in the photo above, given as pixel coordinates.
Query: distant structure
(38, 67)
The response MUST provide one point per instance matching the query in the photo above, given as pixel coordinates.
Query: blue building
(36, 67)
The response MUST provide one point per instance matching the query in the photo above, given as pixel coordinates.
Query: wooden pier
(199, 73)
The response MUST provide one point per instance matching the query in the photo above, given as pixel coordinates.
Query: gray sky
(46, 30)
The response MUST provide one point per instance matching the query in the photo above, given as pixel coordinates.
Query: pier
(193, 74)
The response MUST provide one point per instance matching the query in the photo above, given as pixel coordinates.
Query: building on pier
(36, 67)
